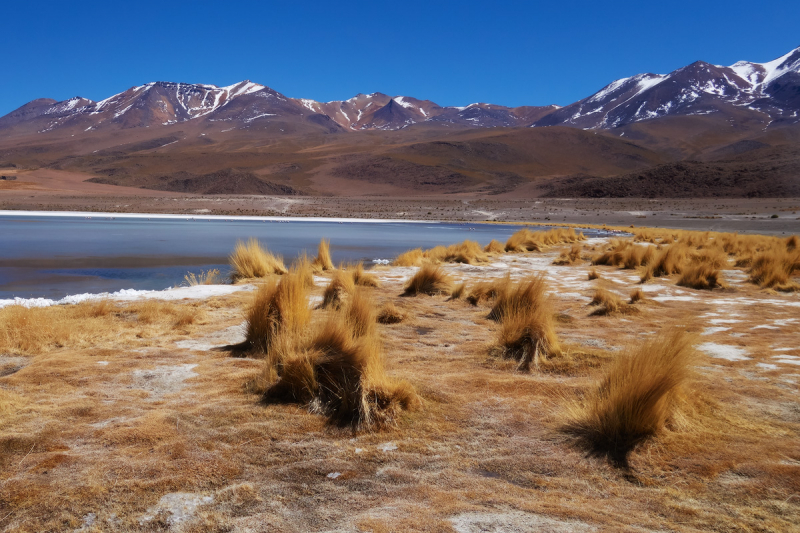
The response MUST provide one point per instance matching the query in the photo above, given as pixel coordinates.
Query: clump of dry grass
(251, 260)
(341, 372)
(527, 328)
(774, 269)
(517, 297)
(323, 260)
(205, 277)
(526, 240)
(302, 267)
(527, 334)
(390, 314)
(494, 247)
(483, 291)
(637, 295)
(625, 254)
(429, 279)
(458, 291)
(670, 260)
(593, 274)
(467, 252)
(362, 277)
(571, 257)
(156, 311)
(607, 302)
(277, 308)
(337, 291)
(635, 398)
(702, 276)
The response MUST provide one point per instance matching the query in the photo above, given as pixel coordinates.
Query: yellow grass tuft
(362, 277)
(390, 314)
(527, 334)
(571, 257)
(670, 260)
(467, 252)
(607, 302)
(514, 298)
(338, 290)
(302, 267)
(593, 274)
(341, 373)
(702, 276)
(277, 308)
(494, 247)
(637, 295)
(774, 269)
(526, 240)
(458, 291)
(483, 291)
(251, 260)
(429, 279)
(205, 277)
(635, 398)
(323, 260)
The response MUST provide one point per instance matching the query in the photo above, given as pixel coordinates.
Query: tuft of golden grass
(362, 277)
(205, 277)
(525, 294)
(341, 372)
(251, 260)
(670, 260)
(458, 291)
(637, 295)
(494, 247)
(636, 396)
(467, 252)
(571, 257)
(774, 269)
(527, 334)
(390, 314)
(323, 260)
(702, 276)
(302, 267)
(607, 302)
(593, 274)
(526, 240)
(338, 290)
(276, 308)
(483, 291)
(429, 279)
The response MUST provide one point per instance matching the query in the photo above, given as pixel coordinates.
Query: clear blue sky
(452, 52)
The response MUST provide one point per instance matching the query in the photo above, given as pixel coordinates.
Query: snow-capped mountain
(771, 88)
(769, 92)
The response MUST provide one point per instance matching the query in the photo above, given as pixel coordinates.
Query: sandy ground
(157, 431)
(53, 190)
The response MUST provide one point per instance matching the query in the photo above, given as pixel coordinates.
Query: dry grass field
(566, 384)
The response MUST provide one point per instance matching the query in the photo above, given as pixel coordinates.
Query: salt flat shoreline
(164, 216)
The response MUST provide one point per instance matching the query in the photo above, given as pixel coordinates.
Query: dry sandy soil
(54, 190)
(151, 427)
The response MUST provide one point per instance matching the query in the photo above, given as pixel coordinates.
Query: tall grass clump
(323, 260)
(277, 308)
(670, 260)
(516, 297)
(571, 257)
(526, 240)
(205, 277)
(494, 247)
(484, 291)
(527, 328)
(635, 398)
(362, 277)
(774, 270)
(303, 268)
(341, 372)
(251, 260)
(429, 279)
(607, 302)
(702, 276)
(390, 314)
(338, 290)
(467, 252)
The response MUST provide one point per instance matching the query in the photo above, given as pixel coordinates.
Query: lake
(53, 255)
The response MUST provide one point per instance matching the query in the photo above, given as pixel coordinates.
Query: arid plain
(174, 415)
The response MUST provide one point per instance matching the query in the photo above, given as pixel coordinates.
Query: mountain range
(700, 112)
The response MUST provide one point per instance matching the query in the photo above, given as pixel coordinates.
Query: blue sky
(454, 53)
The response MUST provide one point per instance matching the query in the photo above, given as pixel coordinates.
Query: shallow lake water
(54, 256)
